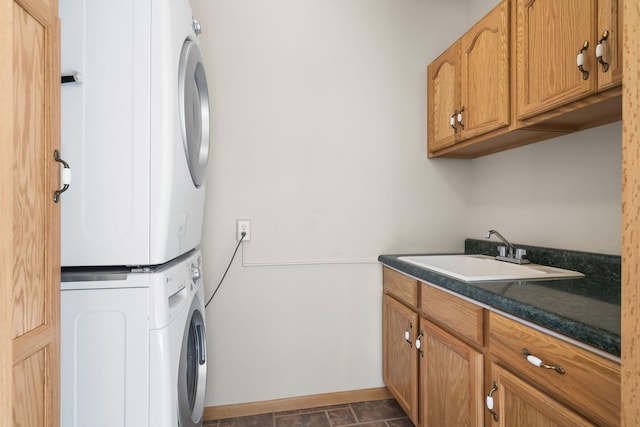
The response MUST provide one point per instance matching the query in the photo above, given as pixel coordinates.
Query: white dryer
(133, 346)
(135, 131)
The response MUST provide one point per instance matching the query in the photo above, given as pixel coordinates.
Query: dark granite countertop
(586, 309)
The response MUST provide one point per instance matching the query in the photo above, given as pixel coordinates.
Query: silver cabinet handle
(489, 401)
(65, 176)
(580, 60)
(459, 117)
(407, 334)
(599, 51)
(535, 361)
(419, 343)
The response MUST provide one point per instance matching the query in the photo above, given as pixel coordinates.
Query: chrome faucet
(514, 255)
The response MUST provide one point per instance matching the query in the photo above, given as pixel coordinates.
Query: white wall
(319, 138)
(562, 193)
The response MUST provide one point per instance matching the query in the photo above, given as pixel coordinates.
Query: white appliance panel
(122, 337)
(132, 200)
(105, 132)
(105, 348)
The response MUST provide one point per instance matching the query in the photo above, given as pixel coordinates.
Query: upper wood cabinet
(609, 35)
(556, 45)
(468, 85)
(484, 75)
(530, 70)
(443, 98)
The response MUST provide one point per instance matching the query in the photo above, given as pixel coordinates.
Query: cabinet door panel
(442, 98)
(31, 282)
(400, 367)
(451, 385)
(484, 79)
(520, 404)
(549, 35)
(610, 20)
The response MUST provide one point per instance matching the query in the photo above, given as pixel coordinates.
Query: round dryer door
(192, 373)
(194, 110)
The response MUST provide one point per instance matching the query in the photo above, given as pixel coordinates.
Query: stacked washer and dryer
(135, 132)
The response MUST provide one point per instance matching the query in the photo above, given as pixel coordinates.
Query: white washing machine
(135, 131)
(133, 346)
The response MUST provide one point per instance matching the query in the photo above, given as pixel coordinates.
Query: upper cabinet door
(609, 38)
(484, 74)
(443, 99)
(549, 36)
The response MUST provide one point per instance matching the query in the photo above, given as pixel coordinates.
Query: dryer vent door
(194, 110)
(192, 373)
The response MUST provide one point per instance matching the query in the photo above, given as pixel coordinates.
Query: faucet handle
(502, 251)
(521, 253)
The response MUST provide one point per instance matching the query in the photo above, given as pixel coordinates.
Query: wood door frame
(630, 214)
(6, 199)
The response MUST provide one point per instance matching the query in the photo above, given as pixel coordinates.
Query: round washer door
(194, 110)
(192, 373)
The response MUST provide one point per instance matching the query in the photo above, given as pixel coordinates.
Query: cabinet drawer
(590, 383)
(461, 317)
(402, 287)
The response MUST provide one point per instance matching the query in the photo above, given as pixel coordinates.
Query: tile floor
(380, 413)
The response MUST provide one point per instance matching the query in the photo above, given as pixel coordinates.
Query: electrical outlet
(243, 225)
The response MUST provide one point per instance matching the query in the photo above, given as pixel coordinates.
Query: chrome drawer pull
(539, 363)
(599, 51)
(65, 176)
(489, 401)
(580, 60)
(407, 335)
(419, 343)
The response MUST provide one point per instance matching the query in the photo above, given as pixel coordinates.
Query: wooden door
(484, 74)
(29, 229)
(400, 361)
(443, 98)
(517, 403)
(609, 34)
(549, 35)
(451, 383)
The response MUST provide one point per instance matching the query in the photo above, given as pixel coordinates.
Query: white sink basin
(478, 268)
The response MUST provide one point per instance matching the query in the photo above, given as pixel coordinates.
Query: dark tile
(341, 417)
(264, 420)
(313, 419)
(400, 422)
(378, 410)
(373, 424)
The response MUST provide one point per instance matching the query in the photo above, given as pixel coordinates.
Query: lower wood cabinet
(444, 355)
(400, 365)
(587, 383)
(451, 380)
(518, 403)
(436, 377)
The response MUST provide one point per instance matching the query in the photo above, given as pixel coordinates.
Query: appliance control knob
(197, 28)
(195, 273)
